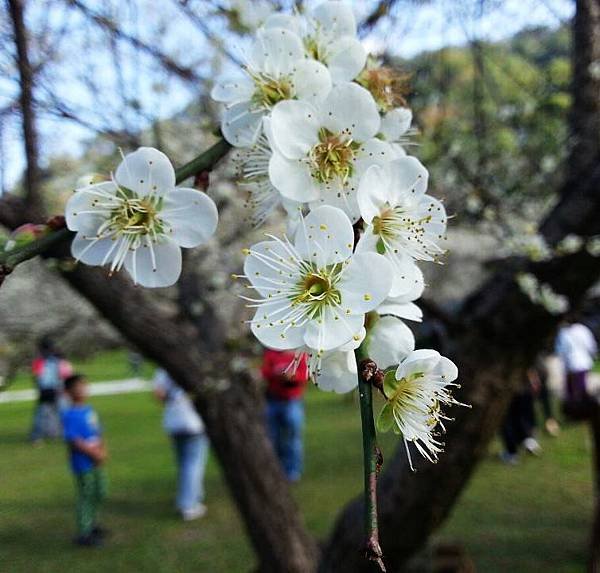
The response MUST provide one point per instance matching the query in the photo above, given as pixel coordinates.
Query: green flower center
(394, 221)
(136, 216)
(317, 290)
(269, 91)
(333, 157)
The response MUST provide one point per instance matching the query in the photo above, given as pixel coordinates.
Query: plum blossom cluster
(320, 129)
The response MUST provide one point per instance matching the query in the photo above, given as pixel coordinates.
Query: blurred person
(577, 348)
(136, 361)
(539, 380)
(519, 422)
(49, 370)
(286, 376)
(190, 444)
(88, 454)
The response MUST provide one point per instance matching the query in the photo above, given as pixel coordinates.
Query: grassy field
(531, 517)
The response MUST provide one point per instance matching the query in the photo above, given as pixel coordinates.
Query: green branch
(10, 259)
(204, 162)
(372, 458)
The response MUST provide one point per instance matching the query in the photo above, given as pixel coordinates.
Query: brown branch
(184, 72)
(26, 82)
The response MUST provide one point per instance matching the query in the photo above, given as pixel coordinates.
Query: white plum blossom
(251, 13)
(416, 393)
(407, 288)
(140, 220)
(321, 152)
(315, 292)
(277, 70)
(569, 245)
(542, 293)
(390, 340)
(253, 170)
(403, 222)
(329, 33)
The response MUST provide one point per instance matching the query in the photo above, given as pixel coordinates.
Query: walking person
(49, 371)
(286, 377)
(190, 444)
(577, 348)
(88, 454)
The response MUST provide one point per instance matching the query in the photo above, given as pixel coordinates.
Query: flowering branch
(372, 458)
(55, 231)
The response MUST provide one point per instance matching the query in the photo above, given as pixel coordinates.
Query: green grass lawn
(532, 517)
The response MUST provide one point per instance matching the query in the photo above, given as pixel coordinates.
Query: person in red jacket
(286, 376)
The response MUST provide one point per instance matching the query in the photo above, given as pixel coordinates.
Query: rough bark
(594, 557)
(585, 111)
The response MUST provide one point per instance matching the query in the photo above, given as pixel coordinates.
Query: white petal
(420, 361)
(338, 372)
(275, 51)
(241, 124)
(294, 128)
(146, 171)
(336, 194)
(267, 328)
(366, 282)
(266, 267)
(346, 59)
(373, 192)
(84, 200)
(325, 236)
(333, 329)
(290, 22)
(233, 90)
(351, 108)
(336, 19)
(407, 277)
(93, 252)
(405, 310)
(447, 368)
(192, 216)
(395, 123)
(292, 178)
(162, 270)
(372, 152)
(408, 180)
(390, 341)
(312, 80)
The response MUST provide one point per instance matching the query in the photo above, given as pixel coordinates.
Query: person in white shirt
(577, 348)
(190, 443)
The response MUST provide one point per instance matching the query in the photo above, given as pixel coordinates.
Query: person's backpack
(49, 377)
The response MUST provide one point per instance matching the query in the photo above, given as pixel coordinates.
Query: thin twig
(372, 458)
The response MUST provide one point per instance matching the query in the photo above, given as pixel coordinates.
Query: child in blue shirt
(87, 455)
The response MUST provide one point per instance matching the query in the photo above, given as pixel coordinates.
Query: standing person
(519, 423)
(539, 379)
(186, 429)
(576, 347)
(286, 377)
(88, 454)
(49, 371)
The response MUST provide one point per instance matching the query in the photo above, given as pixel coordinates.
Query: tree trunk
(230, 405)
(594, 557)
